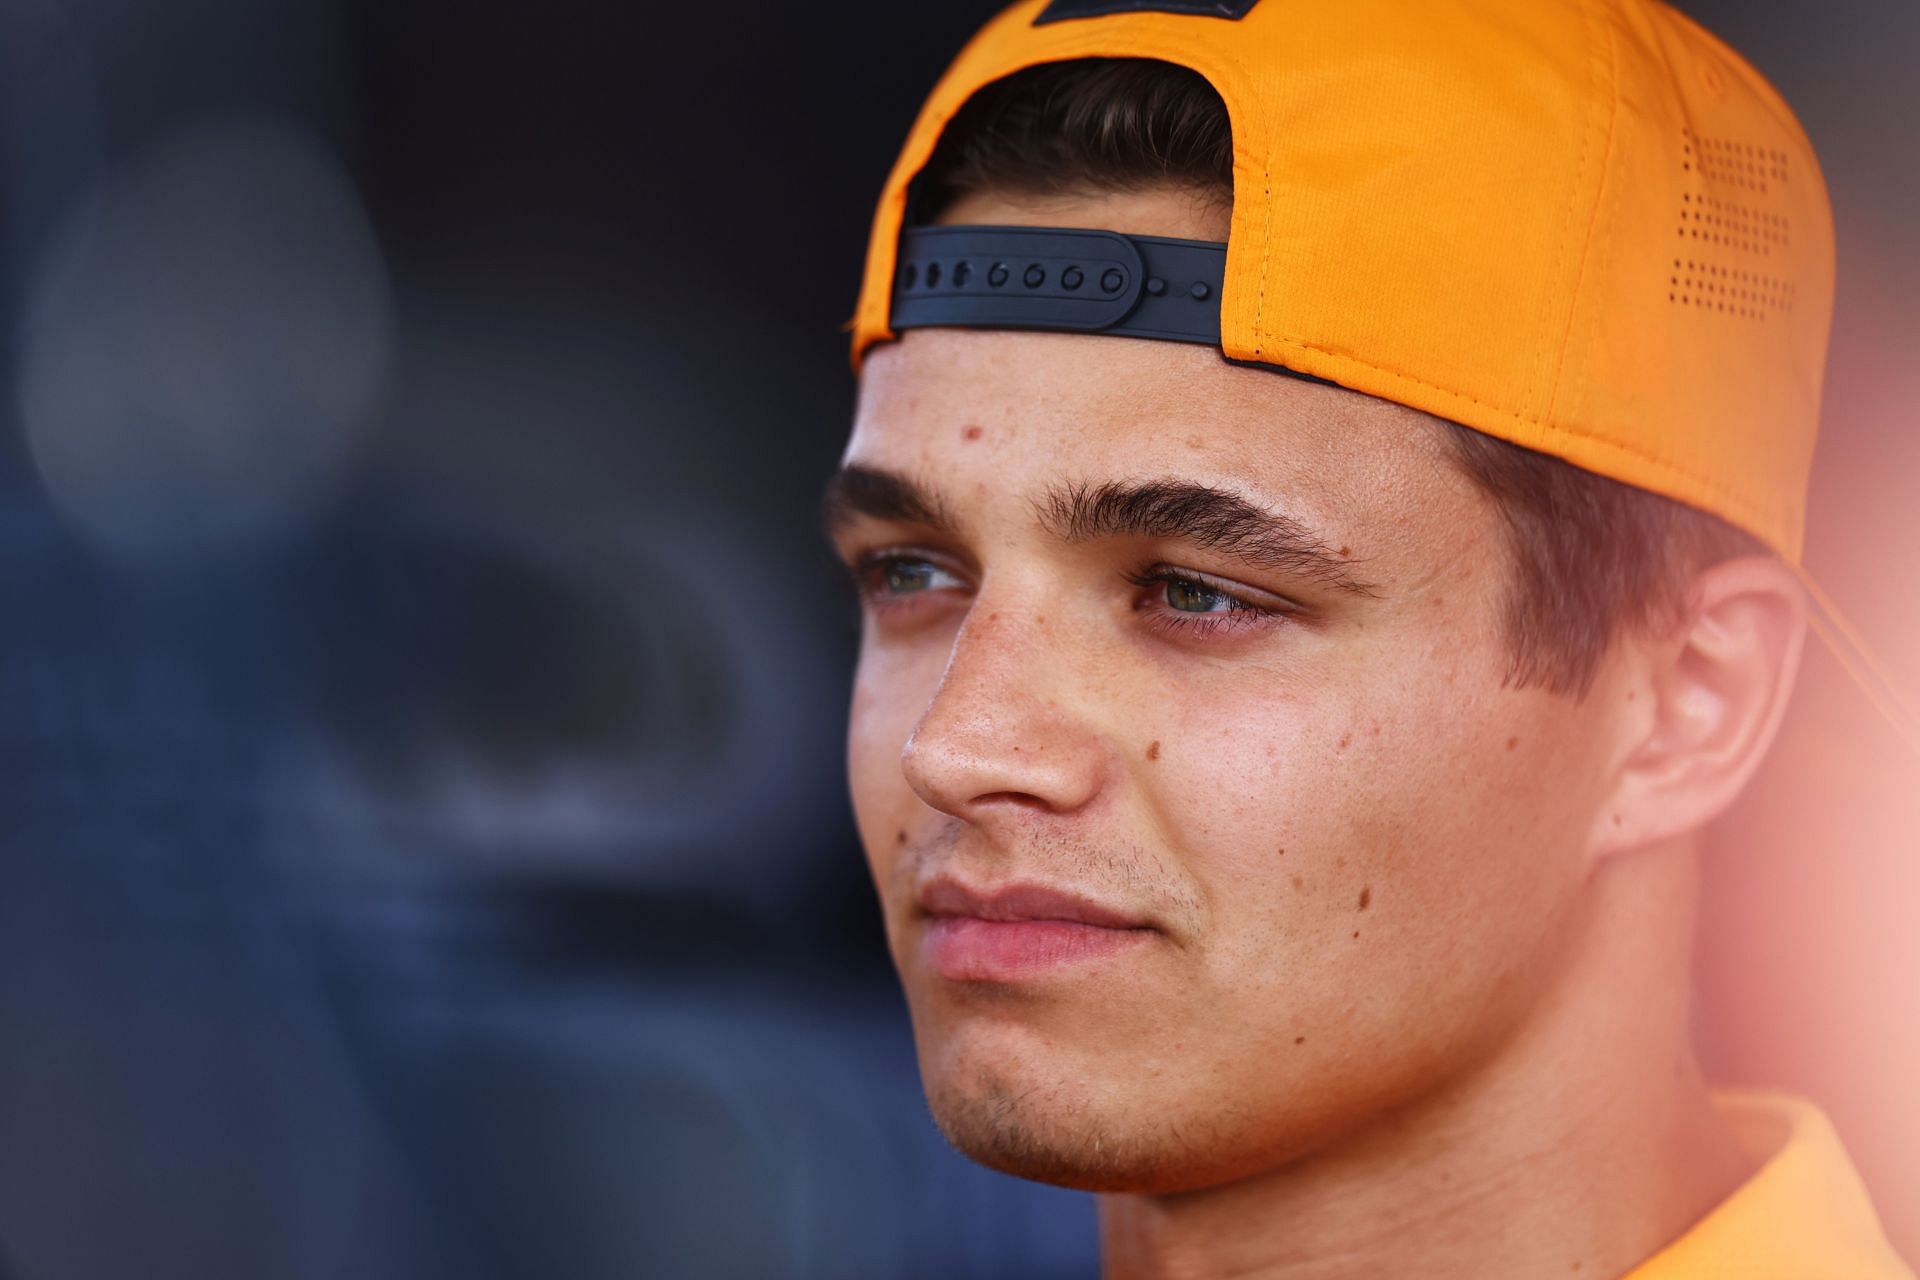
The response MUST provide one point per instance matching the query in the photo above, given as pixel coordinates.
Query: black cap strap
(1057, 278)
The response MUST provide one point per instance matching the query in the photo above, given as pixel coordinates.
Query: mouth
(1019, 932)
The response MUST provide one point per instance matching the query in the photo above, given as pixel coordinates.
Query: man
(1325, 492)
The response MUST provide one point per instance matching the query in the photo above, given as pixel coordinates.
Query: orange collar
(1804, 1216)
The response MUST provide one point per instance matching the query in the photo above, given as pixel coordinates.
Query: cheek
(891, 689)
(1226, 781)
(1369, 852)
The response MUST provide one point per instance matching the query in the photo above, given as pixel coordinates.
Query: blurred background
(423, 844)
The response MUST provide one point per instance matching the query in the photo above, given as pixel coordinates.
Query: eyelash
(869, 569)
(1240, 614)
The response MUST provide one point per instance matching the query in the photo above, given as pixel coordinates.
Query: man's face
(1203, 824)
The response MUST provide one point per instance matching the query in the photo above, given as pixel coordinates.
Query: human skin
(1408, 993)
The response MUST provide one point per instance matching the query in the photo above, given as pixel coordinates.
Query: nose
(1000, 736)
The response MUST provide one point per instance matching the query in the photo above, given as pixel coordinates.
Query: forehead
(989, 417)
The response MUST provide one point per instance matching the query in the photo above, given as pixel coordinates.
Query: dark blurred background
(423, 848)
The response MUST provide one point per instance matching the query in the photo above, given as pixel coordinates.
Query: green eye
(903, 577)
(1192, 597)
(895, 577)
(1192, 607)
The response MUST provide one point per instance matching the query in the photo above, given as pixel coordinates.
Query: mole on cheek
(1512, 743)
(1153, 751)
(899, 837)
(1299, 883)
(970, 434)
(1366, 896)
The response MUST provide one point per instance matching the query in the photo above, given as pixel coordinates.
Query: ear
(1710, 695)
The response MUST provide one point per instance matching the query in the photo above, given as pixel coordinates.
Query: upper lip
(945, 896)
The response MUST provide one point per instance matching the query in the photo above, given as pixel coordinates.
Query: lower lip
(967, 949)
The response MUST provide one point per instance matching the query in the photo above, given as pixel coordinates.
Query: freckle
(1299, 1039)
(1616, 819)
(1512, 743)
(1282, 853)
(900, 837)
(1195, 442)
(1345, 738)
(1438, 602)
(1153, 751)
(971, 433)
(1299, 884)
(1339, 864)
(1376, 728)
(1345, 552)
(994, 616)
(1356, 933)
(1631, 695)
(1366, 896)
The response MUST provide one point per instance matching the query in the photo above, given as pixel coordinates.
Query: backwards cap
(1586, 227)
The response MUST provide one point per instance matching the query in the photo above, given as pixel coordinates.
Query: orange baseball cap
(1586, 227)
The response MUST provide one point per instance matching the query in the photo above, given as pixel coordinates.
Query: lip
(1018, 932)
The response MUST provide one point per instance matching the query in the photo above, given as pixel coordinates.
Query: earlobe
(1718, 685)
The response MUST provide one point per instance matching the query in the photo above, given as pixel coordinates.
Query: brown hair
(1590, 557)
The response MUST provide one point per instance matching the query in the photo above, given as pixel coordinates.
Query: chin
(1003, 1134)
(1048, 1127)
(1100, 1120)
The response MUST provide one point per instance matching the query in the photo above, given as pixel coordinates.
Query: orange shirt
(1803, 1216)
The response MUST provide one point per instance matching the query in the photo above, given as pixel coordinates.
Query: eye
(1187, 595)
(892, 576)
(1189, 604)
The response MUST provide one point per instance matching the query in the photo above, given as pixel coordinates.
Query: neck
(1581, 1147)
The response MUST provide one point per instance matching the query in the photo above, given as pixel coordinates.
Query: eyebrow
(1173, 510)
(856, 491)
(1211, 518)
